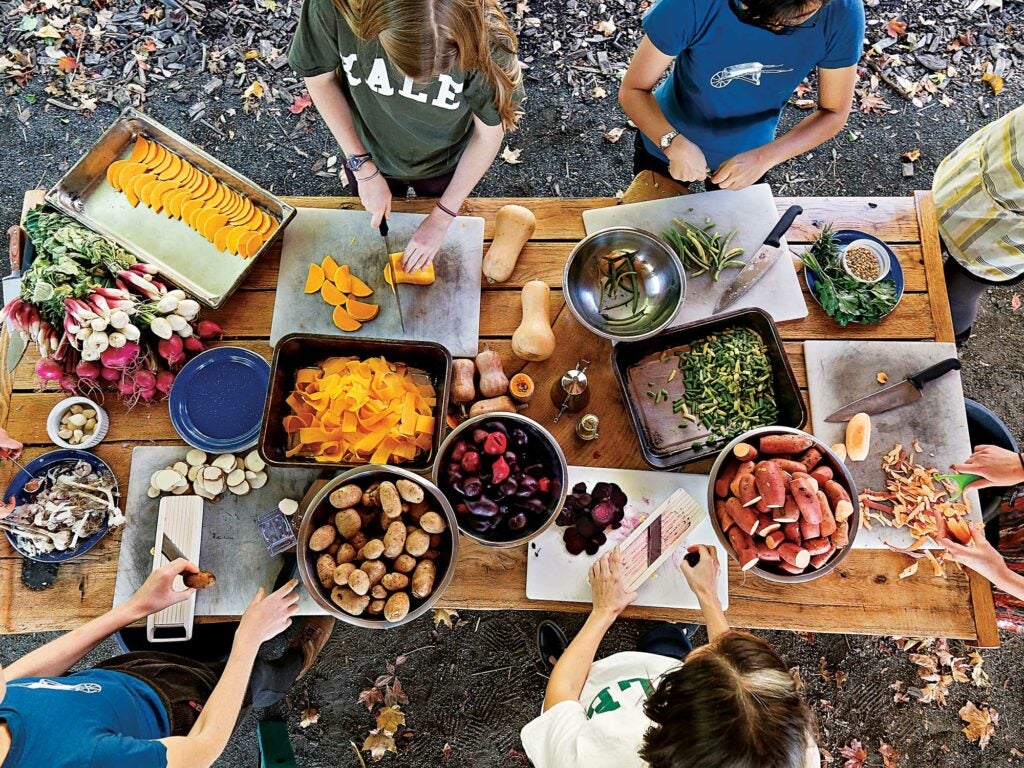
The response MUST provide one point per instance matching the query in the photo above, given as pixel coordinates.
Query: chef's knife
(902, 393)
(11, 290)
(759, 264)
(388, 267)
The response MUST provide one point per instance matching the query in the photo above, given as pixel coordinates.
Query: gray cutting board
(447, 312)
(841, 371)
(751, 212)
(231, 548)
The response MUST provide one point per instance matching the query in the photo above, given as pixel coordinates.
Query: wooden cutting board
(751, 212)
(553, 574)
(447, 312)
(841, 371)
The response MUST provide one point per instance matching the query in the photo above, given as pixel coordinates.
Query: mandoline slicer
(181, 519)
(658, 537)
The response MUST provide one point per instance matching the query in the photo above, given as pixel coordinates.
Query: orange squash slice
(361, 310)
(359, 288)
(189, 209)
(343, 320)
(127, 173)
(331, 293)
(213, 223)
(233, 239)
(330, 267)
(113, 170)
(220, 237)
(172, 168)
(153, 153)
(314, 278)
(139, 150)
(343, 279)
(251, 244)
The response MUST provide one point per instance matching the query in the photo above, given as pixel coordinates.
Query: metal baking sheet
(182, 255)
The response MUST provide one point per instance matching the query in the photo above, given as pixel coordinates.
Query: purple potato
(482, 507)
(517, 522)
(472, 487)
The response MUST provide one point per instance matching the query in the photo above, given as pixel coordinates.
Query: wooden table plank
(931, 249)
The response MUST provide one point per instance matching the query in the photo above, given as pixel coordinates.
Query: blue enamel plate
(844, 238)
(38, 468)
(217, 399)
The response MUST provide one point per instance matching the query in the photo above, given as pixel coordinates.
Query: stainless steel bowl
(840, 474)
(320, 512)
(555, 458)
(662, 282)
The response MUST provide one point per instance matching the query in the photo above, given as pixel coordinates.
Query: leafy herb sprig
(844, 299)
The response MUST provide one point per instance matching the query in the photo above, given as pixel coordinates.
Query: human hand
(426, 241)
(702, 577)
(268, 616)
(9, 447)
(686, 161)
(978, 555)
(374, 194)
(742, 170)
(609, 593)
(997, 466)
(158, 591)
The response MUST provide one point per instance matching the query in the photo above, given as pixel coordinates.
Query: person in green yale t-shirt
(418, 94)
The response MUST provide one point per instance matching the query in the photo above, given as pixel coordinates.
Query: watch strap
(355, 162)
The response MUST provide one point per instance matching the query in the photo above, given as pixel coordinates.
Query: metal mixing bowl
(321, 512)
(662, 282)
(840, 474)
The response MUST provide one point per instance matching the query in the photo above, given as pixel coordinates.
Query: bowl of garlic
(77, 422)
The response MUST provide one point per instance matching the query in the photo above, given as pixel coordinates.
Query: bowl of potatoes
(377, 546)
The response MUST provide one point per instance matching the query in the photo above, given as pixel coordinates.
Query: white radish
(119, 319)
(186, 331)
(167, 304)
(83, 334)
(188, 308)
(98, 342)
(161, 328)
(89, 355)
(98, 324)
(177, 323)
(131, 332)
(116, 340)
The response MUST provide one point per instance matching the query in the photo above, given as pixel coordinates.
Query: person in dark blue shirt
(735, 63)
(146, 710)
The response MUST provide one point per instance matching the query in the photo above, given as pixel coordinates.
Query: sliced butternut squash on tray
(314, 278)
(361, 310)
(113, 170)
(139, 149)
(234, 237)
(250, 244)
(220, 237)
(153, 152)
(343, 320)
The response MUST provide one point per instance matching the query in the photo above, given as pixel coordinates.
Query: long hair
(732, 703)
(425, 38)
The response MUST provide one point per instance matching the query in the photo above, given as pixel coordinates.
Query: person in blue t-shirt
(736, 63)
(146, 709)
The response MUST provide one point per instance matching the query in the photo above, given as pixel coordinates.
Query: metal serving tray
(181, 254)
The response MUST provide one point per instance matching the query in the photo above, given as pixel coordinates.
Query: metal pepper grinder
(570, 392)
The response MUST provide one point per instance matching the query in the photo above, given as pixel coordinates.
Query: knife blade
(12, 289)
(388, 267)
(759, 264)
(170, 549)
(895, 395)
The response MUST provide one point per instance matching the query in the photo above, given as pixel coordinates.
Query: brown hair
(732, 703)
(424, 38)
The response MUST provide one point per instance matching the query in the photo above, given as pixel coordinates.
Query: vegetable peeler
(961, 480)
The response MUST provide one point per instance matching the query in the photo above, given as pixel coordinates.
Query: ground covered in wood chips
(215, 73)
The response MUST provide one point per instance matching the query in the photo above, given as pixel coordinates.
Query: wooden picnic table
(864, 595)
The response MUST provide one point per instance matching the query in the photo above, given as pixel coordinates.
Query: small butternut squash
(463, 390)
(521, 388)
(534, 339)
(493, 381)
(513, 226)
(423, 277)
(503, 404)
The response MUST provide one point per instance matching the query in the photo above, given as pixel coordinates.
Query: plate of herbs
(843, 298)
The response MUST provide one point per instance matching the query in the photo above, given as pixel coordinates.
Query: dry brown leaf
(444, 616)
(912, 156)
(389, 719)
(446, 751)
(309, 717)
(1015, 302)
(300, 102)
(995, 82)
(614, 134)
(978, 674)
(371, 697)
(981, 722)
(599, 92)
(872, 103)
(379, 744)
(605, 27)
(889, 754)
(896, 28)
(854, 753)
(511, 156)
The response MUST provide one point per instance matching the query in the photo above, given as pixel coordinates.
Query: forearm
(815, 129)
(714, 616)
(478, 156)
(58, 656)
(1009, 582)
(643, 109)
(330, 101)
(571, 671)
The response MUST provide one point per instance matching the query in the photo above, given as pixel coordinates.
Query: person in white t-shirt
(729, 704)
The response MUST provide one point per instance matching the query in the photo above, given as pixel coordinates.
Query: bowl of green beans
(624, 283)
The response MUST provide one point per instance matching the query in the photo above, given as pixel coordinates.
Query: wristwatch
(666, 140)
(355, 162)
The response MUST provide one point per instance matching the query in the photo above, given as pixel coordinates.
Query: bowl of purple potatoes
(504, 475)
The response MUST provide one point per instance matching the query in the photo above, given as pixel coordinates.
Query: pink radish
(120, 357)
(49, 369)
(207, 329)
(109, 374)
(145, 379)
(88, 370)
(172, 350)
(164, 381)
(194, 344)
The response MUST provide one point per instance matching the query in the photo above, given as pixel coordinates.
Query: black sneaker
(551, 644)
(311, 639)
(963, 336)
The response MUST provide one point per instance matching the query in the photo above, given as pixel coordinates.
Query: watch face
(667, 139)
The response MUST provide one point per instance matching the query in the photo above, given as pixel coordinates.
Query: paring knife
(11, 290)
(902, 393)
(759, 264)
(388, 267)
(170, 550)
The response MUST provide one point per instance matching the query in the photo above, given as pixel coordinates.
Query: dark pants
(965, 290)
(434, 187)
(665, 639)
(643, 160)
(185, 685)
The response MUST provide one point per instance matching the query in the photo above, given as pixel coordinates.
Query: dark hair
(774, 15)
(733, 704)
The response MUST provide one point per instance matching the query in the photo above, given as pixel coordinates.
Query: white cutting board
(447, 312)
(841, 371)
(553, 574)
(751, 212)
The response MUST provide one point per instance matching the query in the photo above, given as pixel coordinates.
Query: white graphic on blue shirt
(53, 685)
(750, 72)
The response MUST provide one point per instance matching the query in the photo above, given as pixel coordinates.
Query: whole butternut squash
(463, 372)
(513, 226)
(534, 339)
(493, 381)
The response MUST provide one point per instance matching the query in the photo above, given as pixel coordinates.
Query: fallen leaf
(67, 64)
(872, 103)
(1015, 302)
(804, 103)
(371, 697)
(446, 751)
(912, 156)
(393, 694)
(389, 719)
(854, 753)
(250, 55)
(890, 756)
(49, 33)
(300, 103)
(309, 717)
(896, 28)
(995, 82)
(254, 91)
(510, 156)
(378, 744)
(614, 134)
(978, 674)
(599, 92)
(443, 615)
(981, 722)
(605, 27)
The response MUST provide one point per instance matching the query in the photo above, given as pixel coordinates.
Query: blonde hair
(732, 703)
(425, 38)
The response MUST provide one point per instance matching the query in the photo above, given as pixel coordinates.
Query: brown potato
(417, 542)
(322, 538)
(341, 573)
(346, 496)
(325, 570)
(378, 592)
(372, 549)
(358, 539)
(346, 553)
(349, 601)
(395, 581)
(375, 569)
(348, 522)
(369, 517)
(417, 511)
(431, 522)
(409, 491)
(359, 581)
(423, 579)
(371, 498)
(394, 540)
(390, 501)
(435, 540)
(333, 549)
(200, 580)
(404, 563)
(376, 607)
(397, 607)
(431, 554)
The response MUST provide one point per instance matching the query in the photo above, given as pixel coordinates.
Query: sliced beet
(603, 513)
(602, 491)
(564, 518)
(573, 541)
(617, 497)
(579, 488)
(599, 538)
(592, 547)
(517, 522)
(586, 527)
